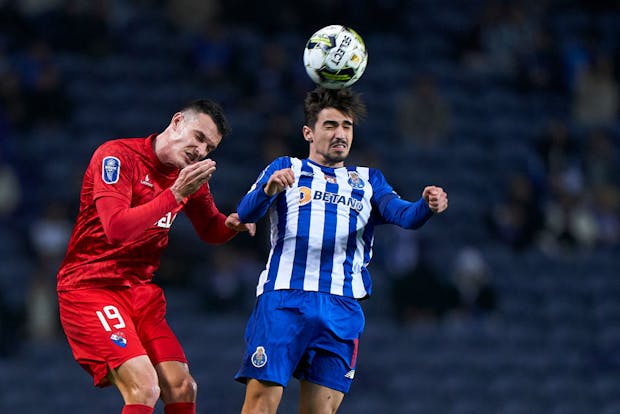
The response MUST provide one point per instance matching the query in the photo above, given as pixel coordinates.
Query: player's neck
(325, 162)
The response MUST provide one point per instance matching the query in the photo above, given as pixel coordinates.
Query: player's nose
(202, 151)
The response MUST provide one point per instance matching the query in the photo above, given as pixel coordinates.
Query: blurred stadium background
(508, 303)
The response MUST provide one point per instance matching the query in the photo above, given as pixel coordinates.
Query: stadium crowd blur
(512, 106)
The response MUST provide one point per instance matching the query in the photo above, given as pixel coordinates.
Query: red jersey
(126, 211)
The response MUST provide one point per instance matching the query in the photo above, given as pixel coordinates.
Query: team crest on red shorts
(119, 339)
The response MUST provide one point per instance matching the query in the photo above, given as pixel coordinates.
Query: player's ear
(307, 133)
(176, 120)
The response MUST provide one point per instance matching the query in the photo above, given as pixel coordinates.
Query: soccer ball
(335, 57)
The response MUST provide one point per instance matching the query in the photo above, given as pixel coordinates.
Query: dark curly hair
(344, 100)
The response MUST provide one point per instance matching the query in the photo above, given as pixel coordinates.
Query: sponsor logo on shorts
(259, 357)
(119, 339)
(350, 374)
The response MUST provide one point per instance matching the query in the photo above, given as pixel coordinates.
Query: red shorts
(106, 327)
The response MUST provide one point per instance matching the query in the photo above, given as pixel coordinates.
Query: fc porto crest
(119, 339)
(355, 180)
(259, 357)
(111, 169)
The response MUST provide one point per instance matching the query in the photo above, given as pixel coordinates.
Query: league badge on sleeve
(111, 169)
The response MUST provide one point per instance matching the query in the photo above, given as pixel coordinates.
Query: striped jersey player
(307, 320)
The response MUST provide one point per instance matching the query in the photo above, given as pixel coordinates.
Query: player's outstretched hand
(192, 177)
(436, 198)
(279, 181)
(233, 223)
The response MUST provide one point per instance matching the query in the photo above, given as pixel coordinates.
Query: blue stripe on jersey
(303, 230)
(351, 246)
(329, 238)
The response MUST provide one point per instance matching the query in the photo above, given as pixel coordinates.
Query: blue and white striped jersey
(322, 229)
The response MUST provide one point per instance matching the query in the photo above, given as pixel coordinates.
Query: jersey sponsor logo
(350, 374)
(147, 181)
(335, 198)
(111, 169)
(355, 180)
(259, 357)
(166, 221)
(119, 339)
(306, 195)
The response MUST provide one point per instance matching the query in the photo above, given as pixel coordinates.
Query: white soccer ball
(335, 57)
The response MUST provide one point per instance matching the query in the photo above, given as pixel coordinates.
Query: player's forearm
(407, 214)
(254, 205)
(215, 231)
(122, 223)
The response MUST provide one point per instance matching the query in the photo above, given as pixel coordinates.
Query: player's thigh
(317, 399)
(156, 335)
(332, 356)
(262, 397)
(99, 329)
(276, 337)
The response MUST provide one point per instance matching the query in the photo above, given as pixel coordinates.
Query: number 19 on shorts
(109, 315)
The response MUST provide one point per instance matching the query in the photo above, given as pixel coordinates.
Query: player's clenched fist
(436, 198)
(279, 181)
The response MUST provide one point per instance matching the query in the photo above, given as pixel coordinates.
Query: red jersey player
(112, 313)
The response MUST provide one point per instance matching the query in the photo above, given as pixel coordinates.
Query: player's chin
(339, 155)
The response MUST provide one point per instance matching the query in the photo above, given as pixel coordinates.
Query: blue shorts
(312, 336)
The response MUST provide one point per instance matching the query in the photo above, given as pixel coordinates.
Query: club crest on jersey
(119, 339)
(259, 357)
(111, 169)
(355, 180)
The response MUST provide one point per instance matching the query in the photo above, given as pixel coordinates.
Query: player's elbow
(116, 238)
(116, 234)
